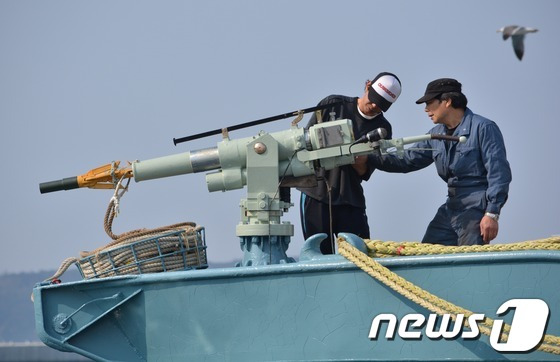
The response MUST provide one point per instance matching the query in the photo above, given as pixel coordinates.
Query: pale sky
(85, 83)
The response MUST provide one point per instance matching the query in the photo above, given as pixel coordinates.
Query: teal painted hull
(315, 310)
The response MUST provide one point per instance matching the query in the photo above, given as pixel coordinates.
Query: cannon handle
(444, 137)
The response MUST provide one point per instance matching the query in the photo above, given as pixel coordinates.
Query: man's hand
(488, 229)
(360, 164)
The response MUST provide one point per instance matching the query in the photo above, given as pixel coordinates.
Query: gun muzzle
(103, 177)
(68, 183)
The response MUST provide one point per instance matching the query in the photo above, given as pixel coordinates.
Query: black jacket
(344, 181)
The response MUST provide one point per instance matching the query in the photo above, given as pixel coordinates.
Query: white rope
(115, 200)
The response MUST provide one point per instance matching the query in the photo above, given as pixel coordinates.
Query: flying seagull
(517, 34)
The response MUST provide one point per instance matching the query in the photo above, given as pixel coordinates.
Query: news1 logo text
(527, 328)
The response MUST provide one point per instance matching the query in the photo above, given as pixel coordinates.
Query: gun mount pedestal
(264, 239)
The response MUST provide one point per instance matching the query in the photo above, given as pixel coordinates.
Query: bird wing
(508, 31)
(518, 46)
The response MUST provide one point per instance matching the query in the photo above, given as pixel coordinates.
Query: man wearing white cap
(337, 203)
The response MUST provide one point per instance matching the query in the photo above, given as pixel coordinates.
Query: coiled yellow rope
(383, 249)
(550, 344)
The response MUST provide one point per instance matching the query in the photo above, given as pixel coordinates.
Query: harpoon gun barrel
(179, 164)
(297, 152)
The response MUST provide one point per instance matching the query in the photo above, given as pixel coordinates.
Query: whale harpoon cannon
(268, 164)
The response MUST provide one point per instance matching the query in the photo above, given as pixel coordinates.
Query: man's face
(436, 110)
(368, 107)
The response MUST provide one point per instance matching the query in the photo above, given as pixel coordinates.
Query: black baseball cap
(439, 86)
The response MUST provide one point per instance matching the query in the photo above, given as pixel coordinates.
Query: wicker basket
(180, 249)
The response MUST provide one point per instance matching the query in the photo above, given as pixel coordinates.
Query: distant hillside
(17, 315)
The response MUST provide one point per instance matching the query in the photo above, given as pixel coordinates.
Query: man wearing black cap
(477, 172)
(337, 203)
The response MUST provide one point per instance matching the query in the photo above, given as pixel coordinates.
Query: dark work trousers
(457, 222)
(315, 219)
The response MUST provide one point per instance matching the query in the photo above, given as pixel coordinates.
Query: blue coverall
(477, 174)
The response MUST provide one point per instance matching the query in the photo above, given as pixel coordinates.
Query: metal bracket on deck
(63, 323)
